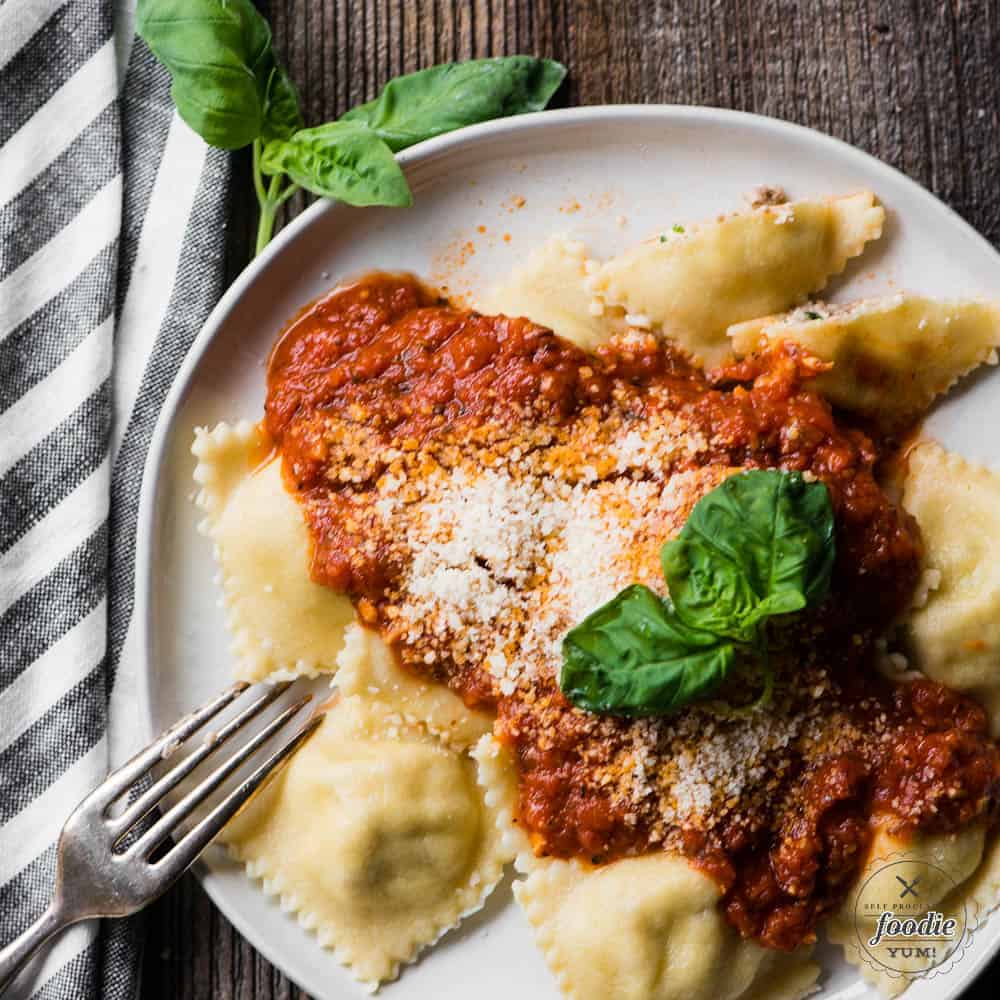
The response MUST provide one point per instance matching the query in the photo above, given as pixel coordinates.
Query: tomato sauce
(385, 363)
(935, 770)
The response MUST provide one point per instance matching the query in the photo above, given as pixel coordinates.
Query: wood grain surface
(915, 82)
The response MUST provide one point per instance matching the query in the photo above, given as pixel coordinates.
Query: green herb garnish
(759, 545)
(677, 227)
(634, 656)
(230, 88)
(812, 315)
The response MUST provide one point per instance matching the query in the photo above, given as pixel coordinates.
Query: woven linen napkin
(112, 246)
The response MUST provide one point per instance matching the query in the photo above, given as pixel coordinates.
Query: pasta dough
(982, 890)
(644, 928)
(498, 778)
(890, 356)
(375, 835)
(937, 863)
(955, 635)
(549, 289)
(368, 668)
(282, 624)
(693, 286)
(650, 928)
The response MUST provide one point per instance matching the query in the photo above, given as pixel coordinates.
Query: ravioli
(650, 928)
(550, 290)
(692, 286)
(942, 865)
(282, 624)
(375, 836)
(955, 635)
(891, 357)
(369, 668)
(646, 928)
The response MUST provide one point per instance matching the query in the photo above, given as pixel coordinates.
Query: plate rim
(158, 451)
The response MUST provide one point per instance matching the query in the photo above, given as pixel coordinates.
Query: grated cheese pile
(499, 567)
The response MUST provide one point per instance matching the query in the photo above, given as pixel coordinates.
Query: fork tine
(187, 849)
(124, 777)
(148, 800)
(168, 822)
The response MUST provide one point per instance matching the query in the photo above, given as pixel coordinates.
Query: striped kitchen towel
(112, 250)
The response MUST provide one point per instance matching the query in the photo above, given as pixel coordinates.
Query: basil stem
(269, 199)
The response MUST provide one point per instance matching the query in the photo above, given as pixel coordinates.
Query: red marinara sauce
(932, 768)
(386, 363)
(388, 353)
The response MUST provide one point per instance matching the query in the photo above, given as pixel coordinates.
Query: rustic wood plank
(915, 82)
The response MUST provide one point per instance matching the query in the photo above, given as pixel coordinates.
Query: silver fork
(104, 863)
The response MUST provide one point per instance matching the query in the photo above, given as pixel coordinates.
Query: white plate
(608, 176)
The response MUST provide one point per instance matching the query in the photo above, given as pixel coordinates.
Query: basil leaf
(214, 50)
(227, 83)
(433, 101)
(340, 160)
(760, 544)
(282, 114)
(633, 656)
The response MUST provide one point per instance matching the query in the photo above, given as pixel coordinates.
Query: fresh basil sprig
(229, 86)
(761, 544)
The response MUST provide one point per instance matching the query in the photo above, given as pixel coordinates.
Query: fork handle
(15, 955)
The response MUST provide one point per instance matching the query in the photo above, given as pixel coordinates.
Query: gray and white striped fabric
(112, 245)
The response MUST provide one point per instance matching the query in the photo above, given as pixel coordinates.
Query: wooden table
(916, 83)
